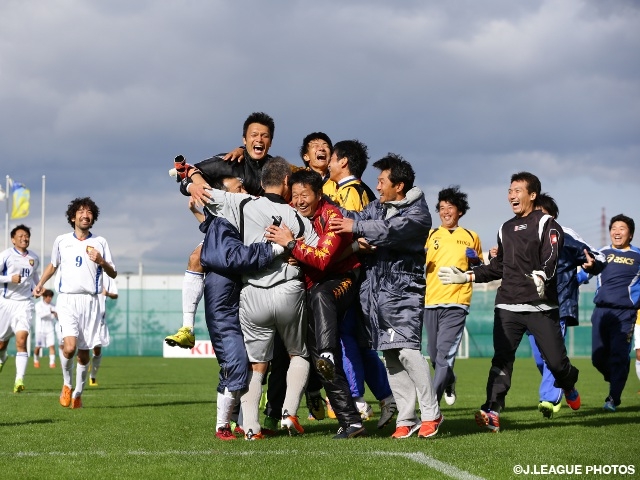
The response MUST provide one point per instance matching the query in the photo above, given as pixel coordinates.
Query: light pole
(127, 275)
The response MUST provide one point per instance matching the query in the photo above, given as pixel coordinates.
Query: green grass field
(154, 418)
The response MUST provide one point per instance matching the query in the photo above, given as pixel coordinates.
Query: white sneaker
(388, 409)
(450, 394)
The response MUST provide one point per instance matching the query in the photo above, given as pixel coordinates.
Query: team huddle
(306, 275)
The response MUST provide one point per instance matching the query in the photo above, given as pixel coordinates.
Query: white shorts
(263, 311)
(79, 316)
(105, 338)
(15, 316)
(45, 339)
(59, 334)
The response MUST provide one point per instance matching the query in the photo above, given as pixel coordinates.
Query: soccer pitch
(152, 417)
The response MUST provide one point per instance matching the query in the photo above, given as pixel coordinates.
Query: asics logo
(612, 258)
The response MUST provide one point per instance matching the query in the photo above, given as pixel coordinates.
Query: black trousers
(508, 329)
(338, 390)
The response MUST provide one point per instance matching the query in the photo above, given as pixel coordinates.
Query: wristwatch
(291, 245)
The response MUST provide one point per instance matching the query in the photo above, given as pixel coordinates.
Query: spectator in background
(46, 318)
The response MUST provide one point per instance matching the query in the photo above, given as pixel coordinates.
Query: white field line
(419, 457)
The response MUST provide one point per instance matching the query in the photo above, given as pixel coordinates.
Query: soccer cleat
(76, 402)
(291, 423)
(330, 412)
(65, 396)
(326, 368)
(366, 412)
(388, 409)
(350, 432)
(238, 430)
(573, 398)
(52, 365)
(181, 169)
(93, 382)
(36, 364)
(183, 338)
(253, 436)
(18, 386)
(430, 427)
(450, 394)
(224, 433)
(405, 431)
(315, 404)
(548, 408)
(609, 405)
(488, 419)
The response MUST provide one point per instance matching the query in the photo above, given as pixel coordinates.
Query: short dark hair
(76, 204)
(307, 177)
(218, 182)
(533, 182)
(304, 148)
(623, 218)
(274, 171)
(20, 227)
(399, 170)
(546, 201)
(47, 293)
(356, 153)
(454, 196)
(261, 118)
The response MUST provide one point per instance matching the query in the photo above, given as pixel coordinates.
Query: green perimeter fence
(140, 319)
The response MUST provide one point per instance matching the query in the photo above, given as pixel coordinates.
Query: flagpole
(6, 218)
(44, 181)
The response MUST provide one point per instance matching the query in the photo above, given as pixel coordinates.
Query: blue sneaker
(609, 405)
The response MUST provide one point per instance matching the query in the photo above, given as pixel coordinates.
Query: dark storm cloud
(100, 96)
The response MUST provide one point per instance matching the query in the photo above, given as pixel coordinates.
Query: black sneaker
(326, 368)
(350, 432)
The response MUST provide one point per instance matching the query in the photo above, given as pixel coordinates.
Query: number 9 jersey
(77, 273)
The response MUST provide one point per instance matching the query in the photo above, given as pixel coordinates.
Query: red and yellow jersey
(446, 248)
(324, 258)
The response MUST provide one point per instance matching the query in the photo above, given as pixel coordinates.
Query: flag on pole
(20, 204)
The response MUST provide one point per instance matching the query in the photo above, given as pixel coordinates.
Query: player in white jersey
(18, 274)
(109, 290)
(46, 320)
(81, 259)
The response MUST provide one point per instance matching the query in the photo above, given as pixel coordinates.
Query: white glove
(449, 275)
(538, 278)
(277, 249)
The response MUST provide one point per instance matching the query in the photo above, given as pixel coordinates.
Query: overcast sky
(100, 96)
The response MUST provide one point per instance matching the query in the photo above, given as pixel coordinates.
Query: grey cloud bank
(100, 96)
